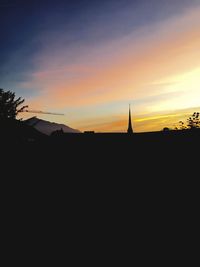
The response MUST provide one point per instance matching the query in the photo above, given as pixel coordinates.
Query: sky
(90, 59)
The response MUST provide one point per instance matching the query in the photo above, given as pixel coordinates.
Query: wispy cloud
(120, 69)
(137, 66)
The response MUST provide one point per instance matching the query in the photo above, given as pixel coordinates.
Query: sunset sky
(89, 59)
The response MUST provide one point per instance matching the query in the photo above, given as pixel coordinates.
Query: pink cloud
(119, 70)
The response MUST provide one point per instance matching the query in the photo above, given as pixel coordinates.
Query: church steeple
(130, 129)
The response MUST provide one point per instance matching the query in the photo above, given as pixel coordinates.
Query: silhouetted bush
(166, 129)
(191, 123)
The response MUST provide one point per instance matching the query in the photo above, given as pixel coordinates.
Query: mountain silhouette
(48, 127)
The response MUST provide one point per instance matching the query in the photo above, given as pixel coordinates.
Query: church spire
(130, 129)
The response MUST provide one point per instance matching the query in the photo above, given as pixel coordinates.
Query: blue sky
(75, 56)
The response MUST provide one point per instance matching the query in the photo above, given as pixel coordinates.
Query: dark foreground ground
(155, 154)
(102, 194)
(100, 161)
(90, 169)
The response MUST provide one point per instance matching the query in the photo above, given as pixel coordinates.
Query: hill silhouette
(48, 127)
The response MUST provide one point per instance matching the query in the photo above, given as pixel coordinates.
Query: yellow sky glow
(163, 60)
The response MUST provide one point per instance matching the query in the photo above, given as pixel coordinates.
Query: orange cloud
(123, 69)
(125, 75)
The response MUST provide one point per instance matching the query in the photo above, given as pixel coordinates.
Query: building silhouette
(130, 129)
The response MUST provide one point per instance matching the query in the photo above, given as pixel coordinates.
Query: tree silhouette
(9, 106)
(192, 123)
